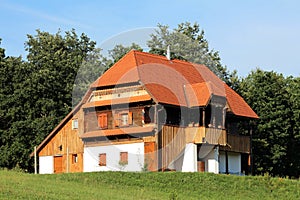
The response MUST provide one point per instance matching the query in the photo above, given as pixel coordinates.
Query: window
(102, 120)
(74, 158)
(124, 158)
(102, 159)
(124, 119)
(75, 124)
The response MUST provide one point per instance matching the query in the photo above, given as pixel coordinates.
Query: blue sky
(247, 34)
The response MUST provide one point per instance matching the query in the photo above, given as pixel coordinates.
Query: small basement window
(102, 159)
(123, 158)
(75, 124)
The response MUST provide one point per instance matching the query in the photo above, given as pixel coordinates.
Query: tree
(37, 94)
(276, 135)
(187, 42)
(91, 68)
(119, 51)
(12, 112)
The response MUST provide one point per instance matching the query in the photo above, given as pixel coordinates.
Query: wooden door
(150, 156)
(58, 164)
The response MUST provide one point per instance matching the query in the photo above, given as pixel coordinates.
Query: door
(150, 156)
(58, 164)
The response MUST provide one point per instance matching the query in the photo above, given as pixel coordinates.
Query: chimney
(168, 53)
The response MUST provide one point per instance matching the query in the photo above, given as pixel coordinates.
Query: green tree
(35, 95)
(94, 65)
(275, 136)
(12, 113)
(119, 51)
(187, 42)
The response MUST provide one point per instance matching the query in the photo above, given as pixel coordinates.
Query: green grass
(125, 185)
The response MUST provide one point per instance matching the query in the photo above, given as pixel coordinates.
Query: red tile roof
(119, 131)
(199, 94)
(165, 81)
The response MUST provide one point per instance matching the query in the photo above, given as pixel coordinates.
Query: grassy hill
(122, 185)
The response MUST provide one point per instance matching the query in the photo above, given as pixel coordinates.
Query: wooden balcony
(238, 143)
(200, 135)
(174, 139)
(230, 142)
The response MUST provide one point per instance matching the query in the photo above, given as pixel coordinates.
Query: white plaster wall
(212, 161)
(135, 157)
(190, 158)
(46, 164)
(234, 163)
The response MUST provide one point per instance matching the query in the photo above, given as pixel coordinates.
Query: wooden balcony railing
(174, 139)
(238, 143)
(200, 135)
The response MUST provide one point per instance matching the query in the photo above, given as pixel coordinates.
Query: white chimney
(168, 53)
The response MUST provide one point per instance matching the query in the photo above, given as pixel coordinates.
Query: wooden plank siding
(238, 143)
(173, 143)
(66, 143)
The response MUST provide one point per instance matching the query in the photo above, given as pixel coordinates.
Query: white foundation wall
(135, 157)
(190, 158)
(234, 163)
(46, 164)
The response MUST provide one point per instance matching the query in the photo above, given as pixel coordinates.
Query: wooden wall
(66, 143)
(172, 144)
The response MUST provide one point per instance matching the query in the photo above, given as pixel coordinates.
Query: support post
(226, 162)
(67, 160)
(203, 117)
(35, 161)
(251, 153)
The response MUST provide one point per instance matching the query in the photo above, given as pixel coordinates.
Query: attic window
(74, 124)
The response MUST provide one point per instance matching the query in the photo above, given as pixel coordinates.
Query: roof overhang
(118, 131)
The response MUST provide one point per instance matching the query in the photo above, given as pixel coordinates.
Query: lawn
(126, 185)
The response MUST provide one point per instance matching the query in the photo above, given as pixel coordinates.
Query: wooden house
(151, 113)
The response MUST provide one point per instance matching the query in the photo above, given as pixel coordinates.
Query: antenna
(168, 53)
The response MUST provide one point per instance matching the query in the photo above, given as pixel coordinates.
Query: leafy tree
(187, 42)
(35, 95)
(119, 51)
(275, 138)
(91, 68)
